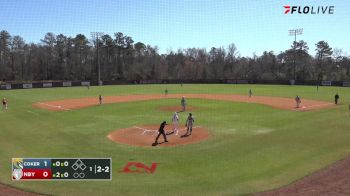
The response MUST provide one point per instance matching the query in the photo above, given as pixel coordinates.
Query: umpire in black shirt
(161, 132)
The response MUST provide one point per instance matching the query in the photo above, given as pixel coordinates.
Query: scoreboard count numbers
(61, 169)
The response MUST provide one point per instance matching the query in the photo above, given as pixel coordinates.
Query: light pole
(96, 36)
(295, 32)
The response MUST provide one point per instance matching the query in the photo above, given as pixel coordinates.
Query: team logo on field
(137, 167)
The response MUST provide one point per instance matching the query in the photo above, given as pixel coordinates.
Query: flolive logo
(308, 9)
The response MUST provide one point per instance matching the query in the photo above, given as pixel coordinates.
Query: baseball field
(246, 145)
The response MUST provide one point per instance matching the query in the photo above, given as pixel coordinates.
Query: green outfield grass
(253, 147)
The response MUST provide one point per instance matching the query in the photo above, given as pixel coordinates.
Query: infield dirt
(275, 102)
(145, 135)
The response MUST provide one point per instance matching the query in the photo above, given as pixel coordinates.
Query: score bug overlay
(61, 169)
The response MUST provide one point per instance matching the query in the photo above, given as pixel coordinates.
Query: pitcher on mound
(183, 103)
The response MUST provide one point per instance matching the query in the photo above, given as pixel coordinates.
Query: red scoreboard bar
(36, 174)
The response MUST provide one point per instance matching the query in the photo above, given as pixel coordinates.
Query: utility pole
(295, 32)
(97, 36)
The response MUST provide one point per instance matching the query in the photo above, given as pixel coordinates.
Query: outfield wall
(50, 84)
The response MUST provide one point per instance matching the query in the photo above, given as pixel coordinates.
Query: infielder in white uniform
(175, 121)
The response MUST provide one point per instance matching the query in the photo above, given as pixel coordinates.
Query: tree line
(60, 57)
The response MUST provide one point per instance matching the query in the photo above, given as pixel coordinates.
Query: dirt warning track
(275, 102)
(6, 190)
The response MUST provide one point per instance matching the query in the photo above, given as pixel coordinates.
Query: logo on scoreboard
(17, 174)
(17, 166)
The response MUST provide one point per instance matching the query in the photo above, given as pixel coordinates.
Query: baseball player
(100, 99)
(336, 99)
(166, 92)
(189, 124)
(161, 132)
(297, 101)
(250, 93)
(4, 103)
(175, 121)
(183, 103)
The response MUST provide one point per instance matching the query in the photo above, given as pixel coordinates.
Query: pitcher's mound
(145, 135)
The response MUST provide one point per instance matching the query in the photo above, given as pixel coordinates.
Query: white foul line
(320, 105)
(145, 130)
(156, 131)
(312, 106)
(54, 106)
